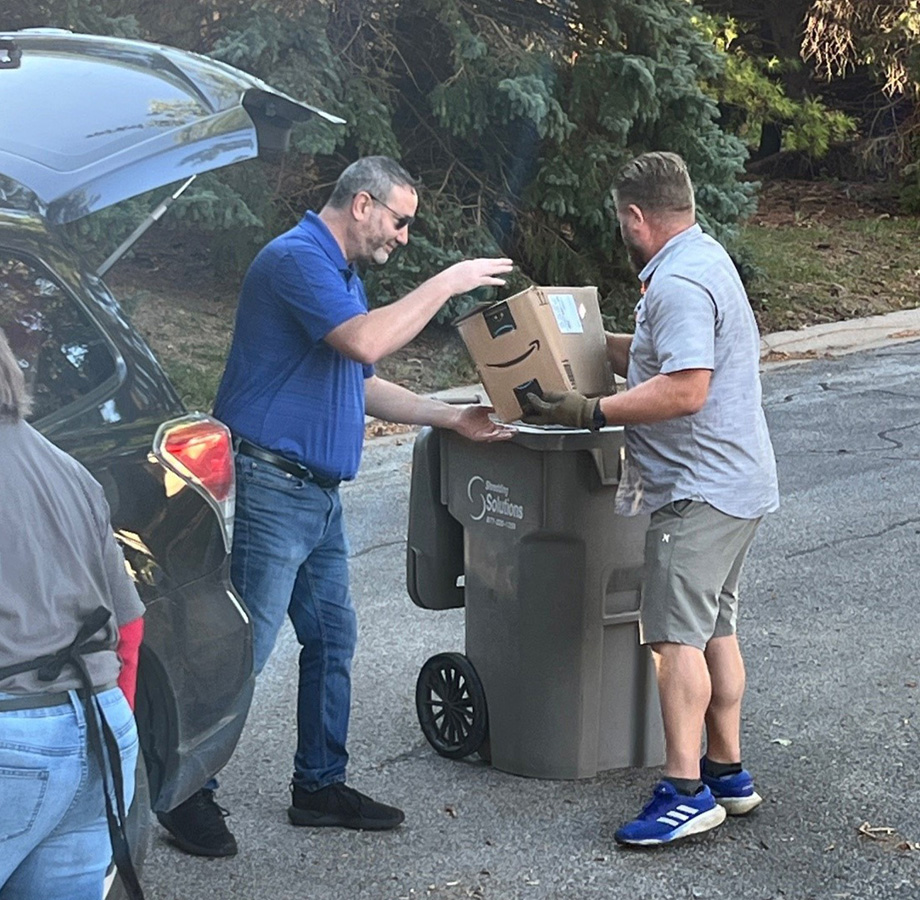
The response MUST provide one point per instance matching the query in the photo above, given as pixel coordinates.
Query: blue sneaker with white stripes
(670, 816)
(733, 792)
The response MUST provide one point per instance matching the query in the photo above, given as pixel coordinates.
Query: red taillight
(203, 448)
(199, 450)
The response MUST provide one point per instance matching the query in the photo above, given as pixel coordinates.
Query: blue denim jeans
(54, 842)
(290, 556)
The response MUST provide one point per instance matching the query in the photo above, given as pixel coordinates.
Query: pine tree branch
(439, 140)
(386, 41)
(447, 175)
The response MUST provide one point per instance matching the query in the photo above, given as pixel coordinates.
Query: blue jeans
(290, 556)
(54, 842)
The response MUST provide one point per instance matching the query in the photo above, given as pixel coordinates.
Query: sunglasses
(401, 221)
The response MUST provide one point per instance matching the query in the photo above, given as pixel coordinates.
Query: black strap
(49, 668)
(51, 665)
(117, 818)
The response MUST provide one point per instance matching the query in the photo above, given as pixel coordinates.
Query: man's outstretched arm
(394, 403)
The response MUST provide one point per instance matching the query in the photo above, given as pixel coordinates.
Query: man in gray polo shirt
(699, 459)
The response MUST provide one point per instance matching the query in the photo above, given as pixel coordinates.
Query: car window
(62, 352)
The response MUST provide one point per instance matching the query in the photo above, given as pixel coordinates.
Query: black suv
(87, 122)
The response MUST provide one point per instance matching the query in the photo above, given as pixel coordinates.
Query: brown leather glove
(571, 409)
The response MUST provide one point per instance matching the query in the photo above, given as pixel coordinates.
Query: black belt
(241, 445)
(52, 698)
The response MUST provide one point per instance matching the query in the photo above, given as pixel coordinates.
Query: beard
(375, 249)
(373, 253)
(637, 256)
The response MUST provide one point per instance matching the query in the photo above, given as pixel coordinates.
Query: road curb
(833, 339)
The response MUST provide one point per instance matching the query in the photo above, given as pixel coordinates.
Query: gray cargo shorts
(693, 560)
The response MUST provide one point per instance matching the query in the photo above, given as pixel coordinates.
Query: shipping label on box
(542, 339)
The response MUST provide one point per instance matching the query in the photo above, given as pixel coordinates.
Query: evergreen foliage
(751, 92)
(516, 114)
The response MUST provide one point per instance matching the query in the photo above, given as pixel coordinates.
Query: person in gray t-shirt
(70, 632)
(700, 461)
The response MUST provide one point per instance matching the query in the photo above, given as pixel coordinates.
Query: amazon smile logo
(533, 348)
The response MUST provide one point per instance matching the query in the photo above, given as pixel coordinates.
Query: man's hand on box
(474, 423)
(571, 409)
(475, 273)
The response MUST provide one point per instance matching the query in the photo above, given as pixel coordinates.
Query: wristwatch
(598, 420)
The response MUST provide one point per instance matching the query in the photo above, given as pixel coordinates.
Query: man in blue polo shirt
(298, 382)
(699, 459)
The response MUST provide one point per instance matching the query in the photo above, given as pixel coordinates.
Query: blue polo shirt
(284, 388)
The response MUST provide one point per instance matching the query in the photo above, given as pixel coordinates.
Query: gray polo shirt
(695, 314)
(58, 561)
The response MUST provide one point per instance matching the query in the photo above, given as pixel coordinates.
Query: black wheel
(451, 705)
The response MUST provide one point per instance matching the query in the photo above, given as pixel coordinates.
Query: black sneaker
(197, 826)
(343, 806)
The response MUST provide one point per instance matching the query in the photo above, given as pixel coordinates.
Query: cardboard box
(543, 339)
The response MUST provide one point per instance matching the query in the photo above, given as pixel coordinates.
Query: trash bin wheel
(451, 705)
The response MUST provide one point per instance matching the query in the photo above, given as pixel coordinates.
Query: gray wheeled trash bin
(554, 682)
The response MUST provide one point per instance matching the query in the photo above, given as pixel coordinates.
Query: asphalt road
(829, 630)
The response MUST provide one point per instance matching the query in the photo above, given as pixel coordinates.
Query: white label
(492, 504)
(566, 313)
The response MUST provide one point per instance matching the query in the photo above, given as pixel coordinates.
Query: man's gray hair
(377, 175)
(14, 398)
(655, 182)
